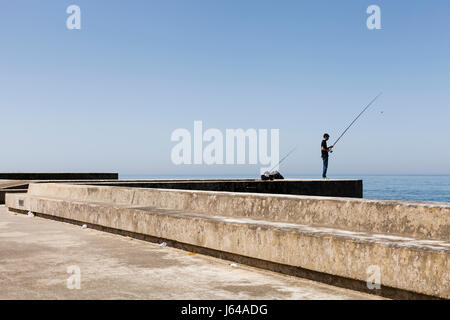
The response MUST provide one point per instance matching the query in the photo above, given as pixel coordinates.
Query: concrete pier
(35, 254)
(333, 188)
(18, 182)
(307, 187)
(333, 240)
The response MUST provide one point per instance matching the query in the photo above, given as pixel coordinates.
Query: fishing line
(359, 115)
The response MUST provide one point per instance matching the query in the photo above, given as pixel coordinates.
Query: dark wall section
(331, 188)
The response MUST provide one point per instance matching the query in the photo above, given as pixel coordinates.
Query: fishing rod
(282, 159)
(270, 175)
(359, 115)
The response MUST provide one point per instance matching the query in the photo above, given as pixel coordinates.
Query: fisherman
(325, 149)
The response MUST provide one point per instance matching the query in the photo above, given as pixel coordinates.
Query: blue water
(413, 188)
(388, 187)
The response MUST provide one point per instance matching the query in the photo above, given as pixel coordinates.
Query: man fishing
(325, 149)
(326, 136)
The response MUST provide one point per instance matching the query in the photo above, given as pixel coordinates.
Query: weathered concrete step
(21, 186)
(421, 266)
(311, 187)
(412, 219)
(3, 193)
(131, 269)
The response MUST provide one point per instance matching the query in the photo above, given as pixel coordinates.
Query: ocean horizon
(434, 188)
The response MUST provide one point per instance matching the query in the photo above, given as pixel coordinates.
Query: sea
(435, 188)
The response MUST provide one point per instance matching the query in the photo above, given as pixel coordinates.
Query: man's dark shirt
(324, 153)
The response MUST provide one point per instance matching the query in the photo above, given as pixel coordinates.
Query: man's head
(326, 136)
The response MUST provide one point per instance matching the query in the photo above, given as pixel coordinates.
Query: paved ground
(35, 254)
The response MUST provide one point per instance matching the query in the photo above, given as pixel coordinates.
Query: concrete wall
(18, 182)
(3, 193)
(333, 236)
(416, 219)
(332, 188)
(336, 188)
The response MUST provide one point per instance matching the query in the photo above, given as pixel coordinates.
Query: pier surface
(333, 240)
(17, 182)
(35, 254)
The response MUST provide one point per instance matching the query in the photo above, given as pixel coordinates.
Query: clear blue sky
(107, 97)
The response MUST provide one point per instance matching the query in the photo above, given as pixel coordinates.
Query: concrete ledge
(10, 186)
(3, 193)
(337, 281)
(311, 187)
(34, 267)
(419, 266)
(413, 219)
